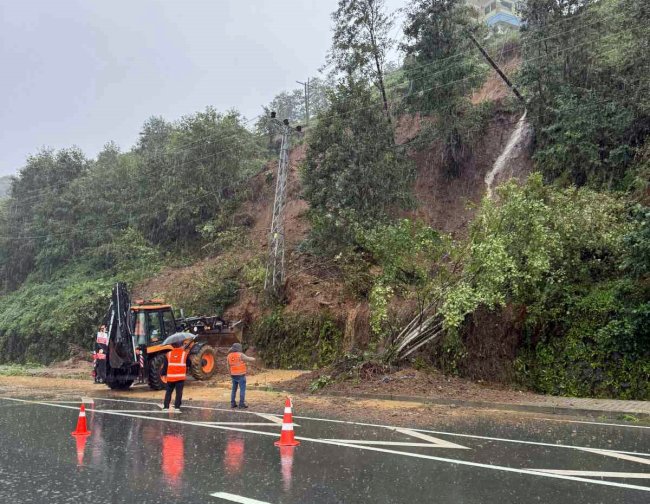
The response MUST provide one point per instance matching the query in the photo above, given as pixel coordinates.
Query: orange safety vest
(236, 363)
(176, 365)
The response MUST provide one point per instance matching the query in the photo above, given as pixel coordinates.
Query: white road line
(383, 443)
(78, 403)
(621, 456)
(432, 441)
(272, 418)
(470, 436)
(371, 448)
(237, 498)
(439, 443)
(533, 443)
(595, 474)
(144, 412)
(257, 424)
(595, 423)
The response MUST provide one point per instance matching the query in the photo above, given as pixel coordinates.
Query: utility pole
(496, 67)
(274, 279)
(307, 96)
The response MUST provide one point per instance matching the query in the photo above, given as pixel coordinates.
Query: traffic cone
(286, 437)
(81, 430)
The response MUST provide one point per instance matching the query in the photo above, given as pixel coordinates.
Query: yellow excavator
(134, 338)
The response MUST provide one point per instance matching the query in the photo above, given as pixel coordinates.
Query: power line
(186, 146)
(331, 115)
(193, 201)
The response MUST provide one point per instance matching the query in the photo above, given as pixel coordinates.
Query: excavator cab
(151, 322)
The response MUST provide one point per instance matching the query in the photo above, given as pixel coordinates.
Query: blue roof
(503, 17)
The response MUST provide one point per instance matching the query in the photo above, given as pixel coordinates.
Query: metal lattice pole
(275, 266)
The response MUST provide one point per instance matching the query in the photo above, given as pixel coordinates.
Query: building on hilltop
(499, 14)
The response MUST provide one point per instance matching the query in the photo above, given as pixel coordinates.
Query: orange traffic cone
(286, 438)
(81, 430)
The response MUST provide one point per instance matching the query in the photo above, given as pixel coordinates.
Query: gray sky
(84, 72)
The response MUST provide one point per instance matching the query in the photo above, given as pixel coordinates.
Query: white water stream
(513, 147)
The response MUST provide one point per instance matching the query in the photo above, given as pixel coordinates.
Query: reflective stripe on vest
(176, 365)
(237, 365)
(102, 338)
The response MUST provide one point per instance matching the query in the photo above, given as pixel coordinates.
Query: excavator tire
(204, 363)
(120, 385)
(155, 379)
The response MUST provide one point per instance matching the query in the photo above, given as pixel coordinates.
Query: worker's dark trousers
(238, 380)
(179, 393)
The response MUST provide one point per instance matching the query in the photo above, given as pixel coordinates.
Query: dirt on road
(217, 393)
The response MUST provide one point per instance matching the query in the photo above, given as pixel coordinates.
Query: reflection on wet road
(136, 453)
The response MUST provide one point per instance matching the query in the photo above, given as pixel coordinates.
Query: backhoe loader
(131, 343)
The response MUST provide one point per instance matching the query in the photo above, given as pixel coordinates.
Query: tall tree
(585, 74)
(353, 171)
(442, 67)
(361, 41)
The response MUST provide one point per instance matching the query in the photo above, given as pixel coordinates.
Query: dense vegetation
(569, 253)
(568, 250)
(71, 226)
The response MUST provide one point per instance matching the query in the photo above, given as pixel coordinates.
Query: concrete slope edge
(610, 412)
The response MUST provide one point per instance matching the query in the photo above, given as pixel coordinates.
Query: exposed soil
(491, 339)
(448, 203)
(411, 382)
(172, 278)
(398, 413)
(494, 89)
(313, 284)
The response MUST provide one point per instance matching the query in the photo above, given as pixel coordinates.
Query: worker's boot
(243, 406)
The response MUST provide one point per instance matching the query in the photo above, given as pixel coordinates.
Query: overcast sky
(84, 72)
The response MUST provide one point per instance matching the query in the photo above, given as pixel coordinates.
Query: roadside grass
(29, 369)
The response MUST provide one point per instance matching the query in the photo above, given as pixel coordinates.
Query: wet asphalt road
(136, 453)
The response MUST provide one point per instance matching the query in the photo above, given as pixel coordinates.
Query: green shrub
(294, 341)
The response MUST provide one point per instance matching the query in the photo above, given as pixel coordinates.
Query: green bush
(209, 293)
(39, 321)
(294, 341)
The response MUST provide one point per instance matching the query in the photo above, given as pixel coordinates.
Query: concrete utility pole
(496, 67)
(274, 279)
(307, 96)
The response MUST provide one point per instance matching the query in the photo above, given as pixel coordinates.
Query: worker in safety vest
(174, 369)
(237, 363)
(99, 355)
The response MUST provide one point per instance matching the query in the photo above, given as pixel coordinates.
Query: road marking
(155, 412)
(237, 498)
(65, 402)
(272, 418)
(384, 443)
(440, 443)
(257, 424)
(368, 448)
(432, 441)
(470, 436)
(618, 455)
(595, 474)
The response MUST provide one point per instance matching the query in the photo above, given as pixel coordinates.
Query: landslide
(316, 295)
(315, 287)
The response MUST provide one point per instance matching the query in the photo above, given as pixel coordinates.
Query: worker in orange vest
(174, 369)
(237, 363)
